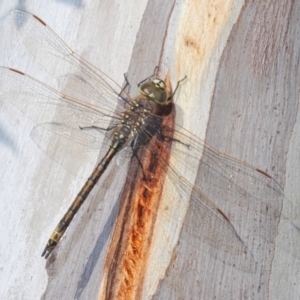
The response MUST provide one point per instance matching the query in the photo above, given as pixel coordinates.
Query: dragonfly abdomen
(119, 138)
(80, 198)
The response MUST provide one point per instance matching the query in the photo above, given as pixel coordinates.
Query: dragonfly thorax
(138, 113)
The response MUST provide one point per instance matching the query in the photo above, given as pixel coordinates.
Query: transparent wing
(59, 119)
(206, 224)
(251, 198)
(235, 174)
(75, 76)
(42, 103)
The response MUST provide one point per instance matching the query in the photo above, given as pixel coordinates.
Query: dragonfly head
(155, 89)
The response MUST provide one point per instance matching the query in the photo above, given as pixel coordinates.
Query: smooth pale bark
(242, 64)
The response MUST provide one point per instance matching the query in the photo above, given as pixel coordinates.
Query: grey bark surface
(241, 96)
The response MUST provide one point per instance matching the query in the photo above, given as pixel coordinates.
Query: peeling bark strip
(131, 242)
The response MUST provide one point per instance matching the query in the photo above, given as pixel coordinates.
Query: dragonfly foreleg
(177, 85)
(127, 84)
(151, 76)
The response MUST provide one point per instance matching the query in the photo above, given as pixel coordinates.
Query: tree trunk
(241, 96)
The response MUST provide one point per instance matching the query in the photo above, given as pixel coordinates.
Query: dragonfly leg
(127, 84)
(97, 128)
(171, 139)
(151, 76)
(135, 155)
(177, 85)
(166, 138)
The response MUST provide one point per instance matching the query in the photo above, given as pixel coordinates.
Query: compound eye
(159, 84)
(155, 90)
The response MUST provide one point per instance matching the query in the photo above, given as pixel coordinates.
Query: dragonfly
(92, 105)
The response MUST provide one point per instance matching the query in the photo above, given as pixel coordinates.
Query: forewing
(75, 76)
